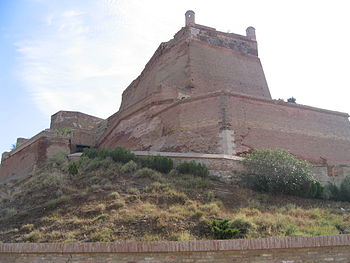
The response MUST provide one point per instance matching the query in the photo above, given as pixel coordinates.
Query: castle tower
(190, 18)
(205, 91)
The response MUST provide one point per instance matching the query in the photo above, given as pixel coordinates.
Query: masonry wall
(74, 120)
(177, 127)
(230, 123)
(199, 60)
(216, 68)
(32, 155)
(314, 134)
(225, 167)
(277, 250)
(166, 70)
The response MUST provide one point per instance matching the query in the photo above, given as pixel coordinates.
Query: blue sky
(81, 54)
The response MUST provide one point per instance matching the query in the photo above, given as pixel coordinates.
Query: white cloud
(82, 58)
(76, 61)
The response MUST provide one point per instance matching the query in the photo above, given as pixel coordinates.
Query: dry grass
(143, 207)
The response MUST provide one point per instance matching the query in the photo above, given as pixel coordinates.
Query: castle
(203, 95)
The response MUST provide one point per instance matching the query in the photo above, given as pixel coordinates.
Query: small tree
(279, 172)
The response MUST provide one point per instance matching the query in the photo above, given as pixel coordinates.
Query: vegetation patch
(193, 168)
(103, 202)
(279, 172)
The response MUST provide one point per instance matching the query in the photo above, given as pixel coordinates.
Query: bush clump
(130, 166)
(158, 163)
(147, 173)
(193, 168)
(227, 229)
(222, 229)
(279, 172)
(341, 193)
(118, 154)
(72, 168)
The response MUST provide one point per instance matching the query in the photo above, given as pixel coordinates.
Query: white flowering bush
(278, 171)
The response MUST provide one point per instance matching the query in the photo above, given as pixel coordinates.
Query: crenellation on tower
(190, 18)
(251, 33)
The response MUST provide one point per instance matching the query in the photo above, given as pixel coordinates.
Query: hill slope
(108, 201)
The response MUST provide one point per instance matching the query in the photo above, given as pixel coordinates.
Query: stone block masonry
(202, 92)
(273, 250)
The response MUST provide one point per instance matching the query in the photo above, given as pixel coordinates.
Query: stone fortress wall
(67, 130)
(203, 92)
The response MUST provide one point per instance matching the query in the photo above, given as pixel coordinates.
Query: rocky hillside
(104, 200)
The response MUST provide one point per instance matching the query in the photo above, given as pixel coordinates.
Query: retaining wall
(276, 250)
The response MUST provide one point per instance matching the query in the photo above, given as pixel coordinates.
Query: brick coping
(179, 246)
(190, 155)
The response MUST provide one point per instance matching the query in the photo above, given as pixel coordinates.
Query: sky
(80, 55)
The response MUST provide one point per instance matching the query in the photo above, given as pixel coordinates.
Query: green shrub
(192, 182)
(223, 229)
(243, 226)
(344, 191)
(193, 168)
(63, 131)
(335, 193)
(72, 168)
(278, 172)
(103, 235)
(331, 192)
(118, 154)
(94, 153)
(316, 190)
(122, 155)
(58, 160)
(129, 167)
(158, 163)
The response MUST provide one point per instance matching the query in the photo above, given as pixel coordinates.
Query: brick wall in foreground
(275, 250)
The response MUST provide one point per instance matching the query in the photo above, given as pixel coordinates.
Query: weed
(182, 236)
(211, 209)
(63, 131)
(150, 237)
(114, 195)
(209, 195)
(27, 227)
(172, 196)
(58, 160)
(34, 236)
(158, 187)
(147, 172)
(129, 167)
(103, 235)
(72, 168)
(243, 225)
(102, 217)
(134, 191)
(192, 182)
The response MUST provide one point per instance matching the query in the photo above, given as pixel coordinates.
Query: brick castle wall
(208, 123)
(32, 155)
(277, 250)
